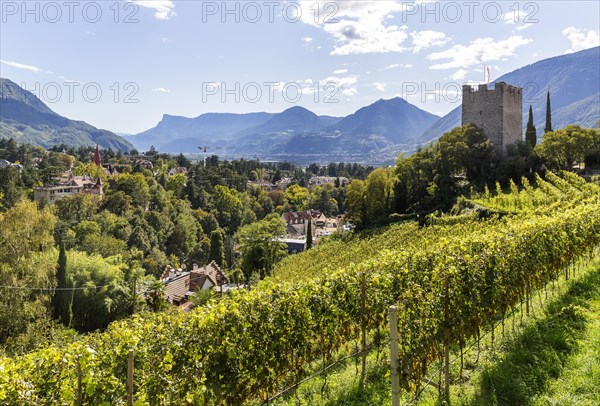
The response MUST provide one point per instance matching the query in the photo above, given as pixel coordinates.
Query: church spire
(97, 159)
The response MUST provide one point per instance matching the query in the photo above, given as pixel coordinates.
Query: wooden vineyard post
(130, 378)
(527, 297)
(394, 355)
(363, 326)
(79, 383)
(446, 340)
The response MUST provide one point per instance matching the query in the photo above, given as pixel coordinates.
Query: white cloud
(459, 74)
(161, 90)
(477, 52)
(345, 84)
(163, 9)
(581, 38)
(427, 39)
(307, 39)
(164, 40)
(396, 65)
(359, 27)
(340, 71)
(17, 65)
(331, 86)
(379, 86)
(518, 17)
(515, 17)
(523, 27)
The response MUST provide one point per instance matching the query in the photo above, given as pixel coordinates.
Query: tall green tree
(62, 301)
(379, 194)
(356, 202)
(548, 115)
(561, 148)
(296, 196)
(217, 247)
(261, 245)
(309, 241)
(531, 132)
(26, 261)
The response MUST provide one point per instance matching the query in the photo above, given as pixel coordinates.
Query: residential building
(68, 185)
(143, 164)
(297, 222)
(7, 164)
(327, 180)
(179, 170)
(295, 245)
(267, 186)
(181, 284)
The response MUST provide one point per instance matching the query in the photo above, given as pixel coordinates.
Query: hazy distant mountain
(295, 131)
(295, 120)
(395, 121)
(574, 83)
(182, 134)
(27, 119)
(231, 131)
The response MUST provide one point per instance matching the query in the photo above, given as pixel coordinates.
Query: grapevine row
(254, 343)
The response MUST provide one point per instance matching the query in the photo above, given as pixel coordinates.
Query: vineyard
(449, 280)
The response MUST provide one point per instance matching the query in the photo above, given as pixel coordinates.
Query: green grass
(532, 360)
(551, 357)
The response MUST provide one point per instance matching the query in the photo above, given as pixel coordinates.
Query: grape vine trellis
(255, 343)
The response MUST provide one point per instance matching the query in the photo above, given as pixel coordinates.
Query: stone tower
(498, 112)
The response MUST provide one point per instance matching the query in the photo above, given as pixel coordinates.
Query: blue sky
(155, 57)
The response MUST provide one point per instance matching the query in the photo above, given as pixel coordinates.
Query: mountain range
(27, 119)
(373, 134)
(295, 132)
(382, 129)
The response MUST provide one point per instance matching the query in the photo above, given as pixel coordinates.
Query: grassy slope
(552, 358)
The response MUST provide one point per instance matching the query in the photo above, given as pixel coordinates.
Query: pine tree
(309, 241)
(548, 115)
(531, 132)
(62, 301)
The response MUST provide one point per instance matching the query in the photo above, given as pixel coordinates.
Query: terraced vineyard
(450, 281)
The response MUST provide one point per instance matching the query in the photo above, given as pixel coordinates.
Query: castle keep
(498, 112)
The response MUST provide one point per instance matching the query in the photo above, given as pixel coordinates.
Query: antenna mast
(200, 149)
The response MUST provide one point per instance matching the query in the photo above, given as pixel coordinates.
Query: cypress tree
(531, 132)
(62, 301)
(309, 235)
(217, 247)
(548, 115)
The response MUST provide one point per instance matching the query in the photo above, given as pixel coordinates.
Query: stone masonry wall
(498, 112)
